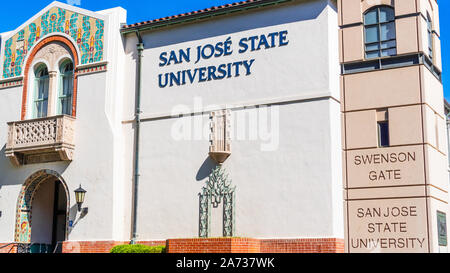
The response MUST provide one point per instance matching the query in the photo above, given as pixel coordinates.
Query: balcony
(42, 140)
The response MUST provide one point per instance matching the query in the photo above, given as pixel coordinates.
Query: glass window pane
(41, 92)
(430, 40)
(429, 25)
(371, 17)
(46, 83)
(372, 34)
(383, 134)
(44, 108)
(373, 54)
(38, 109)
(373, 47)
(389, 44)
(386, 14)
(388, 31)
(389, 52)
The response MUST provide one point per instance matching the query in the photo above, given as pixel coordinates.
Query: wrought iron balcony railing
(41, 140)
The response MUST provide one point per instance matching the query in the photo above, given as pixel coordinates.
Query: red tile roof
(225, 7)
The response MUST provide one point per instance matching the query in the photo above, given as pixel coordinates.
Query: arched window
(430, 36)
(379, 31)
(65, 92)
(41, 92)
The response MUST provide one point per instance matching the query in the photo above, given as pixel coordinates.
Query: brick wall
(213, 245)
(89, 247)
(246, 245)
(221, 245)
(319, 245)
(100, 246)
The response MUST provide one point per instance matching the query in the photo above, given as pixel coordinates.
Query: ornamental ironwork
(218, 188)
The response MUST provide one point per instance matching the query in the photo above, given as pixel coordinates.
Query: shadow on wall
(257, 18)
(9, 174)
(5, 167)
(73, 212)
(206, 169)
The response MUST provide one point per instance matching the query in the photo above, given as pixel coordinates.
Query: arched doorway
(42, 213)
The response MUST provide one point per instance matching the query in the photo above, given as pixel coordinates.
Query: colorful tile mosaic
(88, 33)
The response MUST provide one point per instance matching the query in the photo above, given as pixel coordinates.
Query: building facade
(259, 126)
(395, 147)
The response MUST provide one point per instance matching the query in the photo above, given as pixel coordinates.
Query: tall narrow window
(383, 128)
(430, 36)
(379, 31)
(41, 92)
(66, 89)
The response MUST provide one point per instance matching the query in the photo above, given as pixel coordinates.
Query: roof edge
(199, 14)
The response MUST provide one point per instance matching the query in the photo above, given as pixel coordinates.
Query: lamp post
(79, 197)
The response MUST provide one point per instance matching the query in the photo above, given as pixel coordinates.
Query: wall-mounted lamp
(79, 196)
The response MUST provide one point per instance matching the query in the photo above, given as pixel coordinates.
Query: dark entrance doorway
(49, 214)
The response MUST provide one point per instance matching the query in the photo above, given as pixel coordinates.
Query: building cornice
(200, 14)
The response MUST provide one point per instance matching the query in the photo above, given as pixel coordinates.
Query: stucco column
(52, 92)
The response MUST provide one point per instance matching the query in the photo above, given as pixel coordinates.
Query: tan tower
(394, 137)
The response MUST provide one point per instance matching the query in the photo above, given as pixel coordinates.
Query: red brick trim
(213, 245)
(320, 245)
(11, 83)
(31, 56)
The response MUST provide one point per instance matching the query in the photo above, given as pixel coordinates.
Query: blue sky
(13, 14)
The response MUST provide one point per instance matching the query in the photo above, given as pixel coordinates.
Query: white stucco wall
(291, 191)
(98, 152)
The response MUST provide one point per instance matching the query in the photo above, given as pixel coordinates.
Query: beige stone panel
(423, 35)
(439, 194)
(405, 125)
(430, 126)
(361, 130)
(344, 169)
(367, 4)
(391, 192)
(382, 115)
(406, 29)
(435, 206)
(386, 167)
(436, 18)
(341, 82)
(343, 140)
(381, 89)
(442, 135)
(339, 10)
(341, 46)
(388, 225)
(346, 227)
(353, 43)
(404, 7)
(437, 58)
(433, 92)
(433, 10)
(437, 168)
(351, 11)
(424, 6)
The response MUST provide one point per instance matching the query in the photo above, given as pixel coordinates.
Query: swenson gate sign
(220, 49)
